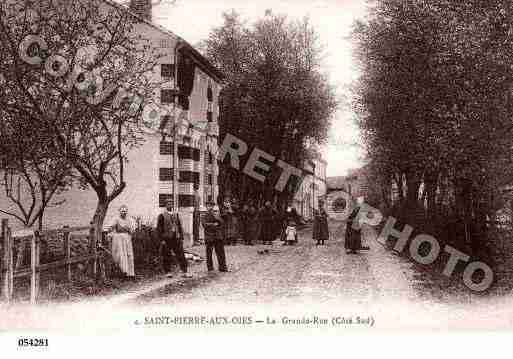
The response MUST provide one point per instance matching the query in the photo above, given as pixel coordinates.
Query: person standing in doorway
(170, 232)
(213, 226)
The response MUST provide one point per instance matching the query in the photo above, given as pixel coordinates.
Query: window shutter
(166, 174)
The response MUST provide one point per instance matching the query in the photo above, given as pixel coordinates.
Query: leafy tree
(435, 103)
(276, 98)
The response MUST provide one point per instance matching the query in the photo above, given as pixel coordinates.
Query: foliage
(275, 98)
(434, 101)
(87, 124)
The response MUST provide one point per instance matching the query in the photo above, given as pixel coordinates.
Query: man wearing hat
(170, 232)
(213, 226)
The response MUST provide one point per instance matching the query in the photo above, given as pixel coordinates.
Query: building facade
(177, 160)
(312, 189)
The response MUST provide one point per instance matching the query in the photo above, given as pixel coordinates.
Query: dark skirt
(251, 230)
(320, 230)
(353, 239)
(268, 231)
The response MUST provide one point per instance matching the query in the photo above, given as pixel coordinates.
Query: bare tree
(31, 174)
(72, 79)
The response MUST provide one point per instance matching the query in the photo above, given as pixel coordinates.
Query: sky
(194, 19)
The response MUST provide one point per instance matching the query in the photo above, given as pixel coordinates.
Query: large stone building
(164, 167)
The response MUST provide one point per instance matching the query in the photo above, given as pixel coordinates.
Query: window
(166, 148)
(210, 95)
(167, 96)
(210, 118)
(210, 180)
(189, 177)
(210, 158)
(166, 174)
(196, 154)
(166, 43)
(164, 198)
(167, 70)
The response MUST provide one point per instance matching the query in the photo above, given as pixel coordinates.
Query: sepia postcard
(235, 167)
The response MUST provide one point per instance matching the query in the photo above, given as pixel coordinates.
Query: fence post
(10, 266)
(38, 262)
(5, 267)
(67, 251)
(34, 263)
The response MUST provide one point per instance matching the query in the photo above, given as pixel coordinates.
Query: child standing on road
(290, 233)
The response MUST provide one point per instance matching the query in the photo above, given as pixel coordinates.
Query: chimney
(142, 8)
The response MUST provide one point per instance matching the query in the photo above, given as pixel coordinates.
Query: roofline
(205, 64)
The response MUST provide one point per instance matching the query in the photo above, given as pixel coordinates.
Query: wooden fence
(10, 273)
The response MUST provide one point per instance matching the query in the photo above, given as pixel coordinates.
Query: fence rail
(9, 272)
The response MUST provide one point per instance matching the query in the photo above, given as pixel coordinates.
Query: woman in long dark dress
(252, 225)
(320, 226)
(267, 218)
(353, 240)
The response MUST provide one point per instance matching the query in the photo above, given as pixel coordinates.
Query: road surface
(301, 280)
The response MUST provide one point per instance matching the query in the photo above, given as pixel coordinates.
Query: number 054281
(32, 342)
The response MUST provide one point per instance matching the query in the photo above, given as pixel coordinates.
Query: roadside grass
(496, 252)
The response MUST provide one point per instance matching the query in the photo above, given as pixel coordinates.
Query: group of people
(169, 232)
(225, 227)
(250, 224)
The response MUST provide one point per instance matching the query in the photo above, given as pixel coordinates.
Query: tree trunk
(479, 227)
(97, 226)
(431, 199)
(412, 189)
(40, 222)
(441, 195)
(431, 184)
(400, 189)
(463, 197)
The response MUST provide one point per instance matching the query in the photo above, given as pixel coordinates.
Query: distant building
(357, 181)
(313, 188)
(169, 167)
(355, 184)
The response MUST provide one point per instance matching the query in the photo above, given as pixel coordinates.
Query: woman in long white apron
(122, 250)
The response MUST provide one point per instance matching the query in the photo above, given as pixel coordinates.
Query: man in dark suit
(170, 233)
(213, 226)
